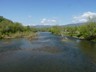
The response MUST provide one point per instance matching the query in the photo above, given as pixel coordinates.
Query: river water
(47, 53)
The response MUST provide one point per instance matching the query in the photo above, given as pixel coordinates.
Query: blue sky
(47, 12)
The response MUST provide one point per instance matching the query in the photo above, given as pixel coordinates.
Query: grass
(27, 34)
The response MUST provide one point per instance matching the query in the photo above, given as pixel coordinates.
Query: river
(47, 53)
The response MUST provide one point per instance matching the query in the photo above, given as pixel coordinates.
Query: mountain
(48, 26)
(42, 26)
(75, 24)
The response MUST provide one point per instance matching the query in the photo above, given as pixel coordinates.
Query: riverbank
(29, 35)
(86, 31)
(10, 29)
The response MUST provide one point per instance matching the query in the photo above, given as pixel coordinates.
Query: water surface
(47, 53)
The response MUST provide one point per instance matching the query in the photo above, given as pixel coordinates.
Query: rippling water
(47, 53)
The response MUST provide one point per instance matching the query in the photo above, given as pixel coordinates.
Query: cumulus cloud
(45, 21)
(84, 17)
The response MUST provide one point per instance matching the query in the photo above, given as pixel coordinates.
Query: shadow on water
(89, 49)
(47, 53)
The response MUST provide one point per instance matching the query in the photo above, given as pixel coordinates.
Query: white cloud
(29, 16)
(84, 17)
(45, 21)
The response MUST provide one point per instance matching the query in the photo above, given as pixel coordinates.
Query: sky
(48, 12)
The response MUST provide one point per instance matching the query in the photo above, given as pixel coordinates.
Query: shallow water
(47, 53)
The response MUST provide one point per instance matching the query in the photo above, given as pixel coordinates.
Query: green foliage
(55, 30)
(8, 27)
(88, 30)
(43, 29)
(1, 18)
(85, 31)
